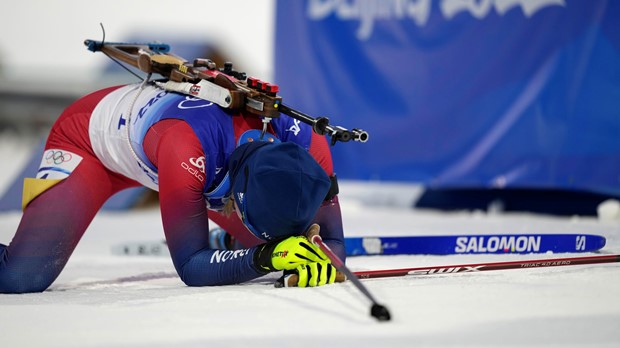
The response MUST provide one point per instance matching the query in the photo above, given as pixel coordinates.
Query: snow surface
(105, 300)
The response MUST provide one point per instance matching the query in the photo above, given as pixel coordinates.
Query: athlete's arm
(328, 216)
(170, 145)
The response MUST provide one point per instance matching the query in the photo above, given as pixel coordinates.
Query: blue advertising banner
(461, 93)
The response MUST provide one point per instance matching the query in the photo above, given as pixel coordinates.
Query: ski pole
(380, 312)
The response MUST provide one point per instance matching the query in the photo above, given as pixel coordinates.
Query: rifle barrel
(321, 126)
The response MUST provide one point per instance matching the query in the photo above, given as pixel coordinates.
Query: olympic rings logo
(57, 157)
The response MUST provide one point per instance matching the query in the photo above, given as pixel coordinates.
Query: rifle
(223, 86)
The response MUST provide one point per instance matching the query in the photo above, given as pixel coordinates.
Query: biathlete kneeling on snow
(206, 162)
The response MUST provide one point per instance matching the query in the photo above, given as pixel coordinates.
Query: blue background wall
(475, 94)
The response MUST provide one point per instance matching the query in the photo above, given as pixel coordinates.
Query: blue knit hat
(278, 187)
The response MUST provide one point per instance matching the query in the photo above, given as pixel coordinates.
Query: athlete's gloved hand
(315, 274)
(287, 254)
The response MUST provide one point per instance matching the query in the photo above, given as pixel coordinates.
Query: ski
(430, 245)
(480, 267)
(474, 244)
(146, 248)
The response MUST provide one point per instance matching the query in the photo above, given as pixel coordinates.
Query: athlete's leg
(52, 225)
(70, 188)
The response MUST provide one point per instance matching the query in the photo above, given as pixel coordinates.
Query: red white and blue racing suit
(134, 135)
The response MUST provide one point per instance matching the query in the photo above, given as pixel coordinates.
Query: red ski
(479, 267)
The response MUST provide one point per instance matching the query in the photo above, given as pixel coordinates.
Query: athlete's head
(277, 187)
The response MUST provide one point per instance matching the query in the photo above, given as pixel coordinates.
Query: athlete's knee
(13, 280)
(20, 283)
